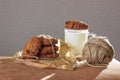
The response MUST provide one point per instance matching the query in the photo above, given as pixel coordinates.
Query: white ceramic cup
(77, 39)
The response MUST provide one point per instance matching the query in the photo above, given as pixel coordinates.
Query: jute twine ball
(98, 50)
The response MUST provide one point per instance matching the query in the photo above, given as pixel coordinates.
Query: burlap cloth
(9, 70)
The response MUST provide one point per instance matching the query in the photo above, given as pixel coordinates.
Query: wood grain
(18, 71)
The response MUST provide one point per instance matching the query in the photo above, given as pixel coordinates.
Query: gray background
(22, 19)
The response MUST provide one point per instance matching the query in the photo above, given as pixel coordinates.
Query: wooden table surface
(18, 71)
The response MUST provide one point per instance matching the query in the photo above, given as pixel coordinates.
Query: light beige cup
(77, 39)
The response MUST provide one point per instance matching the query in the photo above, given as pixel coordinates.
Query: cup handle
(91, 35)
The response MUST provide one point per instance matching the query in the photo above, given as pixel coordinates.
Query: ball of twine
(98, 50)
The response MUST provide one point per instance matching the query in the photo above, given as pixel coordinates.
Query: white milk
(77, 39)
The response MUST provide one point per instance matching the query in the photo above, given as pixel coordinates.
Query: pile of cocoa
(76, 25)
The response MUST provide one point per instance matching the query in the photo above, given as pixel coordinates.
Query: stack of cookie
(48, 48)
(42, 46)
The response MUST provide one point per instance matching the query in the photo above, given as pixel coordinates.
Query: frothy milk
(77, 39)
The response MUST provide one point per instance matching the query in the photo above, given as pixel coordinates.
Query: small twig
(47, 77)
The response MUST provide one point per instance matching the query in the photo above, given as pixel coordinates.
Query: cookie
(32, 47)
(48, 49)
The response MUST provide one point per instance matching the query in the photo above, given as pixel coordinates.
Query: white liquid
(77, 39)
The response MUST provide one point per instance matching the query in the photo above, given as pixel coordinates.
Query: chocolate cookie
(50, 55)
(32, 47)
(48, 40)
(48, 49)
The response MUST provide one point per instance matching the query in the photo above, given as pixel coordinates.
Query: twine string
(100, 52)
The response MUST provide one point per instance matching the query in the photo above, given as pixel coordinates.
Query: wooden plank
(9, 70)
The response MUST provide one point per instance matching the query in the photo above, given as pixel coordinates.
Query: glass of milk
(77, 39)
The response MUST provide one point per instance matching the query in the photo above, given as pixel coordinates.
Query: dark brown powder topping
(76, 25)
